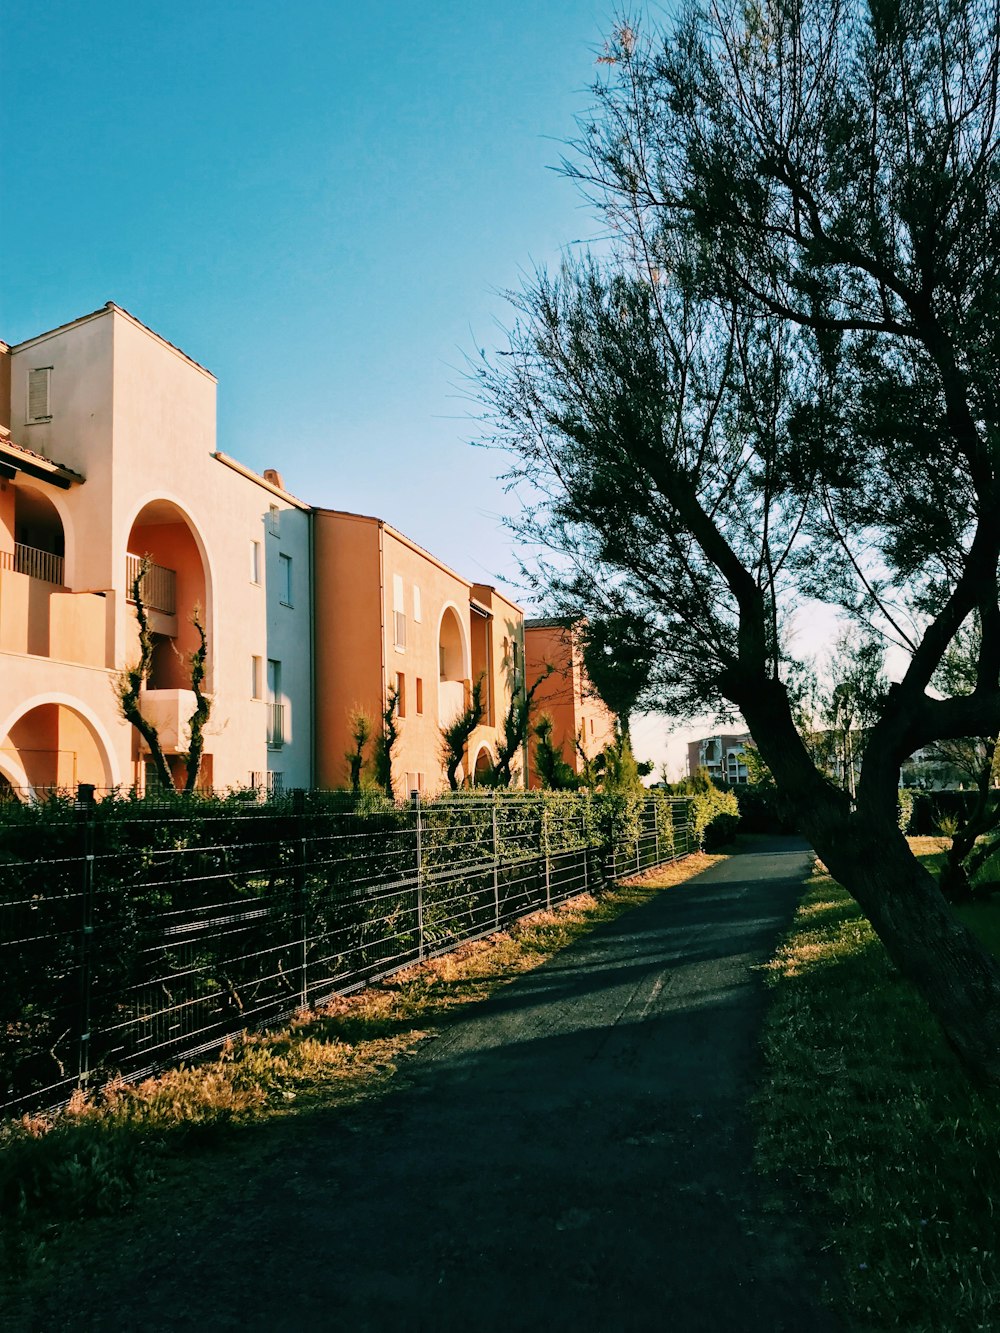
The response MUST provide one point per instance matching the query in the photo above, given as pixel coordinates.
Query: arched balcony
(453, 657)
(38, 547)
(176, 582)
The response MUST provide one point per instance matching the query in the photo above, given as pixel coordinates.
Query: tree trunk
(957, 977)
(865, 851)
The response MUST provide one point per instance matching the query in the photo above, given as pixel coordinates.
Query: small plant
(360, 726)
(385, 742)
(455, 737)
(551, 769)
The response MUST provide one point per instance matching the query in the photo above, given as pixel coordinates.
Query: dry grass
(98, 1153)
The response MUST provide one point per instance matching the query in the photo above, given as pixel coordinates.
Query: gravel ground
(572, 1154)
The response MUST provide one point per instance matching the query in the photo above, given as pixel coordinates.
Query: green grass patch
(865, 1113)
(96, 1156)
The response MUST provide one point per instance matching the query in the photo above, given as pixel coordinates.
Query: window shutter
(39, 382)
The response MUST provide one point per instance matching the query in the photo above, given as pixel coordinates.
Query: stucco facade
(565, 694)
(108, 454)
(388, 614)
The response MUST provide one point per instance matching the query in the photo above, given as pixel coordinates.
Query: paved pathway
(573, 1154)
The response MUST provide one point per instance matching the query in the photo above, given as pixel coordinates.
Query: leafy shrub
(716, 817)
(905, 802)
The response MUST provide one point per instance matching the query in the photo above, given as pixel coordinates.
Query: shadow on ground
(572, 1154)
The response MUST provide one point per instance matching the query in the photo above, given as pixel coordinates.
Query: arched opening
(175, 584)
(56, 747)
(39, 542)
(7, 793)
(454, 672)
(482, 769)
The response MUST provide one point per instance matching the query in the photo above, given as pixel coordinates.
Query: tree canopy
(776, 382)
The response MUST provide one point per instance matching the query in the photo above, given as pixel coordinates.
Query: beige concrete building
(107, 454)
(390, 614)
(720, 756)
(578, 713)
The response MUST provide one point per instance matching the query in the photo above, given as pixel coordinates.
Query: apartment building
(720, 756)
(107, 456)
(579, 715)
(391, 615)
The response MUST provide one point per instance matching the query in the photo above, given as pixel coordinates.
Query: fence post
(420, 874)
(548, 867)
(301, 905)
(585, 839)
(85, 810)
(496, 867)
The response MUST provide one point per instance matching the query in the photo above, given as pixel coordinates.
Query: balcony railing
(42, 565)
(158, 587)
(276, 726)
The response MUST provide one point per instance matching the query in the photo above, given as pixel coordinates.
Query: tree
(360, 726)
(617, 656)
(385, 742)
(516, 722)
(130, 683)
(551, 768)
(455, 737)
(977, 838)
(777, 382)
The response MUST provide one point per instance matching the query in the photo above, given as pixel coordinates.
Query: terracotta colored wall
(358, 560)
(78, 628)
(348, 635)
(567, 696)
(506, 628)
(172, 546)
(6, 516)
(419, 750)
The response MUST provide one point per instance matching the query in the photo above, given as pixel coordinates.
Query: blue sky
(317, 201)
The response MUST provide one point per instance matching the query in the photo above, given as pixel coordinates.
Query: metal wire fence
(135, 937)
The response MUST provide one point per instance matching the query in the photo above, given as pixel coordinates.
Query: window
(400, 694)
(285, 579)
(255, 562)
(255, 678)
(414, 782)
(417, 616)
(398, 612)
(276, 710)
(39, 394)
(274, 521)
(420, 694)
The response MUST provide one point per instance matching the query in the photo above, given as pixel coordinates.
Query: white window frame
(274, 520)
(256, 677)
(255, 562)
(285, 582)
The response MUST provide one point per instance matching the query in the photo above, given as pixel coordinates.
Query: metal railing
(147, 937)
(158, 586)
(275, 725)
(41, 565)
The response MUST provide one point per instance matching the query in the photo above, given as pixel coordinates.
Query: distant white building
(720, 756)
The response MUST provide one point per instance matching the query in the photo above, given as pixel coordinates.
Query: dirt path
(573, 1154)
